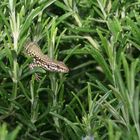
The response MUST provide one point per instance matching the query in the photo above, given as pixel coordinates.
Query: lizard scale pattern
(40, 60)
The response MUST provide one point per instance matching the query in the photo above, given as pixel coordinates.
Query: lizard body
(43, 61)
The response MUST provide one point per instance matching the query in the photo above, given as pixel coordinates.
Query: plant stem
(15, 24)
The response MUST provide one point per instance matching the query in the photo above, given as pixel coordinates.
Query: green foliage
(98, 99)
(5, 135)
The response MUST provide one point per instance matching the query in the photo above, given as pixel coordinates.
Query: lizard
(41, 60)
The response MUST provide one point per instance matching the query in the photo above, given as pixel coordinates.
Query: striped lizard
(41, 60)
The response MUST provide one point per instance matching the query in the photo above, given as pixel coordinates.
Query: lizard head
(32, 49)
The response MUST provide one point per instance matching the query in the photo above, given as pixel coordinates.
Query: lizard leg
(32, 66)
